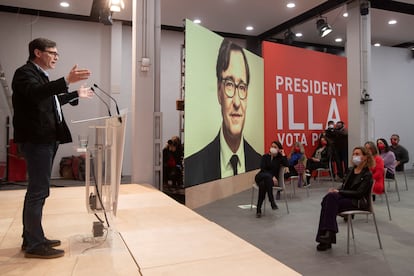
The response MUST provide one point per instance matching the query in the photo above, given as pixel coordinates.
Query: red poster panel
(304, 89)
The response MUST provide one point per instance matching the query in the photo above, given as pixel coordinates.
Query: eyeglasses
(230, 88)
(53, 53)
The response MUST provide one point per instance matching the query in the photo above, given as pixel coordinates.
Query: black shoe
(274, 206)
(323, 246)
(258, 215)
(44, 252)
(327, 238)
(50, 243)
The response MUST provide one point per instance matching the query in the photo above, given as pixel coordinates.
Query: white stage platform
(151, 235)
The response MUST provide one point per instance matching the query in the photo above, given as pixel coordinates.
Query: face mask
(356, 160)
(273, 151)
(381, 146)
(330, 126)
(324, 143)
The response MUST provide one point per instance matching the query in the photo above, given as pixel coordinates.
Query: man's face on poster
(232, 95)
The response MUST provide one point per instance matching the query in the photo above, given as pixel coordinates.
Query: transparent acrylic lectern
(103, 163)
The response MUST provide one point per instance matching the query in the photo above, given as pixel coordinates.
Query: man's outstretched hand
(76, 75)
(85, 92)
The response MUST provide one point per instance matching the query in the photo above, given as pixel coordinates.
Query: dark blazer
(204, 165)
(35, 114)
(358, 187)
(272, 166)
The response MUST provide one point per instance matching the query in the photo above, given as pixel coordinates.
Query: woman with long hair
(353, 194)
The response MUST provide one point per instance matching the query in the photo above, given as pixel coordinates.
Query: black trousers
(265, 182)
(332, 204)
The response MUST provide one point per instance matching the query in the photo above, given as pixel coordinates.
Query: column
(145, 91)
(358, 52)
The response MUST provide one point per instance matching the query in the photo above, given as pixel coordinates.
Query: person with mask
(388, 157)
(319, 159)
(297, 152)
(377, 171)
(353, 194)
(268, 175)
(401, 154)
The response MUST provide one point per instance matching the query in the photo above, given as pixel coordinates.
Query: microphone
(112, 98)
(102, 100)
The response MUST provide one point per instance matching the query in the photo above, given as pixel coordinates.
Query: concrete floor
(290, 238)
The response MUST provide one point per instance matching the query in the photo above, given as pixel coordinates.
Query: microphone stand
(102, 100)
(112, 98)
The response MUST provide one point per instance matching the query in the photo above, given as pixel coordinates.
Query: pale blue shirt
(226, 153)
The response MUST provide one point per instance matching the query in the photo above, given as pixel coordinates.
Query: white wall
(392, 87)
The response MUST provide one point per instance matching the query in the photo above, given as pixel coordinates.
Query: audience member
(268, 175)
(319, 159)
(297, 152)
(171, 164)
(341, 148)
(401, 154)
(388, 157)
(353, 194)
(377, 171)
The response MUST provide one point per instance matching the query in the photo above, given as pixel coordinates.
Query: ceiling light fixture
(249, 28)
(338, 39)
(392, 22)
(323, 27)
(298, 34)
(345, 14)
(377, 44)
(64, 4)
(116, 5)
(197, 21)
(290, 5)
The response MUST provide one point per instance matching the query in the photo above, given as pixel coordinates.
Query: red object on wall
(17, 165)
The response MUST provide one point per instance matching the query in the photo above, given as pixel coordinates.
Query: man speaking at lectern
(39, 128)
(229, 153)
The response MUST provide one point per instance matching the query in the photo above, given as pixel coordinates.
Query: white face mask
(273, 151)
(356, 160)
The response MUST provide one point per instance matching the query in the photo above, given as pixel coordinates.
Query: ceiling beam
(394, 6)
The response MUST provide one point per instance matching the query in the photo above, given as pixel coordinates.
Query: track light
(323, 27)
(116, 5)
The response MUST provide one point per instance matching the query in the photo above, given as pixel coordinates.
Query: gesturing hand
(76, 74)
(85, 92)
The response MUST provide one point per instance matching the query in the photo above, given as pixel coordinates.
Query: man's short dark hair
(223, 59)
(40, 44)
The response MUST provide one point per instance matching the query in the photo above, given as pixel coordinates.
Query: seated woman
(377, 171)
(388, 157)
(269, 173)
(353, 194)
(297, 152)
(171, 164)
(319, 159)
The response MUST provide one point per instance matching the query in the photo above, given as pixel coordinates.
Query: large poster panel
(304, 90)
(223, 107)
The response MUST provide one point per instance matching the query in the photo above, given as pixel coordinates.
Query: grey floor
(290, 238)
